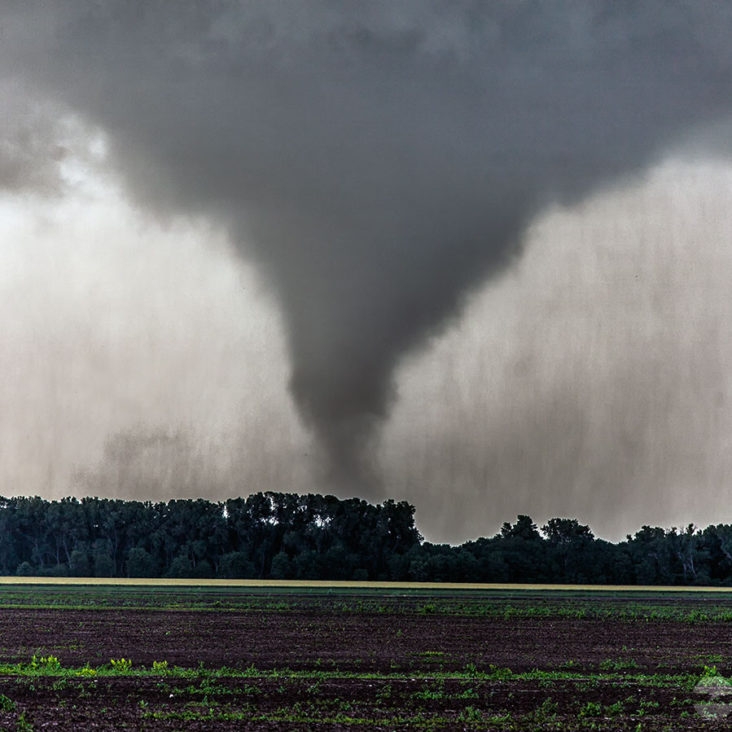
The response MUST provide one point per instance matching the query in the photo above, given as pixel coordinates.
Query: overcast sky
(475, 257)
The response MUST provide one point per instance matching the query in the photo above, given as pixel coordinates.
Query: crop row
(494, 699)
(51, 666)
(489, 605)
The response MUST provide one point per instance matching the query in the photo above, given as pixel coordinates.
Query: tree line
(289, 536)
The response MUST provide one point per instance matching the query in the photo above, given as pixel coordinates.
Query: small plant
(591, 709)
(500, 719)
(120, 665)
(22, 724)
(498, 673)
(470, 714)
(45, 663)
(676, 702)
(610, 665)
(7, 704)
(384, 693)
(314, 688)
(546, 711)
(646, 707)
(614, 710)
(160, 667)
(436, 693)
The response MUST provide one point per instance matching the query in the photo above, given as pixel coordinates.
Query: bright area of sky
(143, 358)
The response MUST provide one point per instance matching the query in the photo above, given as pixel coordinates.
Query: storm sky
(472, 255)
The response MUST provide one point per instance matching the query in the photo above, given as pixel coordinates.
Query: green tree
(25, 569)
(140, 563)
(79, 564)
(282, 567)
(102, 559)
(524, 528)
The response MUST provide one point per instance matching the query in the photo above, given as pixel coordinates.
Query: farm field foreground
(271, 657)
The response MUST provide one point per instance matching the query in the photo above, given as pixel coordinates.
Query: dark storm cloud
(378, 161)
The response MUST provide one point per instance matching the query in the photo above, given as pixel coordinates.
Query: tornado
(376, 161)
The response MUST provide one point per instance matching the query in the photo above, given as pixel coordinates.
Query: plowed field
(284, 659)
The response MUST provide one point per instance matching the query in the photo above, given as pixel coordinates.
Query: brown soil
(354, 642)
(384, 643)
